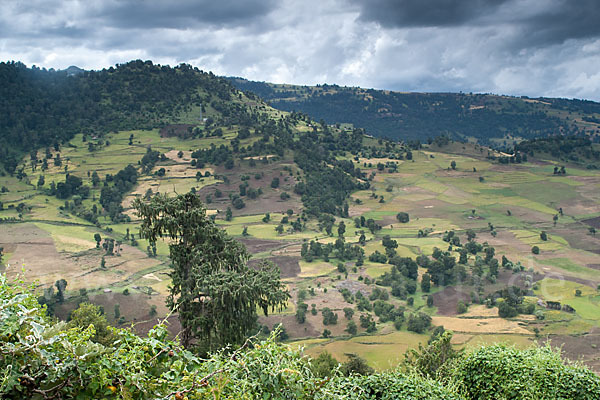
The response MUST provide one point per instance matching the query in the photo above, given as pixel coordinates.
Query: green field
(507, 209)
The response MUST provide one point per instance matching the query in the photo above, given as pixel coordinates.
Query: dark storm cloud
(183, 14)
(563, 20)
(423, 13)
(541, 22)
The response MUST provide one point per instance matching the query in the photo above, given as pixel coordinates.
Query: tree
(426, 283)
(98, 239)
(429, 361)
(351, 328)
(418, 323)
(430, 301)
(275, 182)
(403, 217)
(453, 164)
(356, 365)
(544, 236)
(213, 290)
(61, 286)
(228, 214)
(471, 234)
(535, 250)
(348, 312)
(279, 229)
(89, 314)
(95, 179)
(505, 310)
(341, 229)
(324, 365)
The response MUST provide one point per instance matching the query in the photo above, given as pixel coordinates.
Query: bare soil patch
(595, 222)
(173, 326)
(260, 245)
(289, 266)
(447, 300)
(292, 327)
(269, 201)
(182, 131)
(35, 253)
(585, 348)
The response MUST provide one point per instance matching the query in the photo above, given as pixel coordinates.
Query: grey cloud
(183, 14)
(531, 47)
(420, 13)
(563, 20)
(539, 22)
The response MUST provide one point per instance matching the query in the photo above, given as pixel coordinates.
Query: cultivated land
(47, 243)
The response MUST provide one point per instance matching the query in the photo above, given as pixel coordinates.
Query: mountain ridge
(489, 119)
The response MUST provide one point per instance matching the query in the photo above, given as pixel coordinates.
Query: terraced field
(506, 206)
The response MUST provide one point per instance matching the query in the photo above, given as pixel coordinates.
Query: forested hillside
(404, 116)
(42, 108)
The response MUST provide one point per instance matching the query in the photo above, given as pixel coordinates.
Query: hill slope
(43, 108)
(376, 240)
(410, 116)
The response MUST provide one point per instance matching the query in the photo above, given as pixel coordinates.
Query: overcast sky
(518, 47)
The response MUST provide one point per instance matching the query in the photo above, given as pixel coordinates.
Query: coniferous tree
(214, 291)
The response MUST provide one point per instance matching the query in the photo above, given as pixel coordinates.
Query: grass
(567, 265)
(381, 352)
(315, 269)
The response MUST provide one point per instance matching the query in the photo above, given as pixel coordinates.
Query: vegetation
(387, 232)
(213, 291)
(64, 362)
(414, 116)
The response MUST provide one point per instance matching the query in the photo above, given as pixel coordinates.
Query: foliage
(89, 314)
(386, 386)
(402, 217)
(419, 322)
(42, 108)
(503, 372)
(422, 115)
(47, 359)
(214, 292)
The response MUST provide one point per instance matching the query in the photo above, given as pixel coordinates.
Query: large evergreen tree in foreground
(214, 291)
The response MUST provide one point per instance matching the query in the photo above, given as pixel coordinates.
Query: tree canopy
(213, 290)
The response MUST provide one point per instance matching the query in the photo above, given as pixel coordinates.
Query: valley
(454, 194)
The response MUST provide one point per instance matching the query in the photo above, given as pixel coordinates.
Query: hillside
(378, 242)
(489, 119)
(44, 108)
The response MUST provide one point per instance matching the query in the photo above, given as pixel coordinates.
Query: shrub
(403, 217)
(535, 250)
(503, 372)
(418, 323)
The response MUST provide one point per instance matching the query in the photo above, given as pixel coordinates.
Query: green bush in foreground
(40, 358)
(503, 372)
